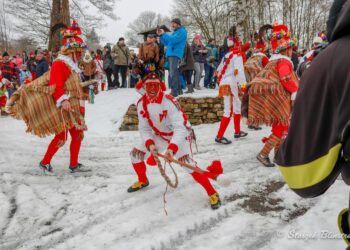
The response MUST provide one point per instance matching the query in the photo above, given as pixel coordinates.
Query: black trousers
(188, 76)
(109, 73)
(123, 69)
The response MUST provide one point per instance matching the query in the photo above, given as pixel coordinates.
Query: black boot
(254, 127)
(189, 89)
(46, 168)
(223, 140)
(80, 168)
(265, 161)
(241, 134)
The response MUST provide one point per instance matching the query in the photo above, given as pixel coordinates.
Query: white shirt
(235, 71)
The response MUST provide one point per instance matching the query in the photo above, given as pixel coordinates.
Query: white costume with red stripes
(162, 123)
(234, 77)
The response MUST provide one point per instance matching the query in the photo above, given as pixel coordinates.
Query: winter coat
(121, 55)
(175, 43)
(108, 61)
(199, 57)
(149, 52)
(188, 59)
(24, 75)
(212, 56)
(295, 60)
(10, 72)
(310, 158)
(41, 67)
(88, 68)
(31, 65)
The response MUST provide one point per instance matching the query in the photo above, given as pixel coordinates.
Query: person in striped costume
(272, 92)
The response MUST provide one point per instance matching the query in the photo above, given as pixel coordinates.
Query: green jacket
(121, 55)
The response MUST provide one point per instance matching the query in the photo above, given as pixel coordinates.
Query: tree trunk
(60, 19)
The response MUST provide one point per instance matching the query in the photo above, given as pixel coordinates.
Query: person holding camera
(175, 51)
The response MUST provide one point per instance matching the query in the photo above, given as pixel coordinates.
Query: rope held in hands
(166, 178)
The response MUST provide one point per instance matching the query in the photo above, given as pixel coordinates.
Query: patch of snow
(66, 211)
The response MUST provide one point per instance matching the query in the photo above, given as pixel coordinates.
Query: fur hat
(317, 40)
(280, 38)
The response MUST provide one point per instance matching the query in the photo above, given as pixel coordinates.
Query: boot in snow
(254, 127)
(223, 140)
(46, 168)
(189, 89)
(241, 134)
(137, 186)
(215, 202)
(265, 161)
(80, 168)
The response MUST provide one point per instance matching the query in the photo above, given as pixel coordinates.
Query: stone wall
(199, 111)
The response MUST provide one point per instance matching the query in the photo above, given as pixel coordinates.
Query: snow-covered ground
(95, 211)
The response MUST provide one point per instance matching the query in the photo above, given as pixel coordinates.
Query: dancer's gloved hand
(66, 105)
(169, 155)
(153, 149)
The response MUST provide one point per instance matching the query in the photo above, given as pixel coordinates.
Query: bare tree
(212, 18)
(92, 40)
(5, 28)
(145, 21)
(24, 43)
(34, 16)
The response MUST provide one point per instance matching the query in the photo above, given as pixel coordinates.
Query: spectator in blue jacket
(175, 44)
(42, 65)
(24, 74)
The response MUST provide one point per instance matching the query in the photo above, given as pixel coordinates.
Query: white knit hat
(318, 40)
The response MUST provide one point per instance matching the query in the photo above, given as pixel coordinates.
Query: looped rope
(163, 173)
(167, 179)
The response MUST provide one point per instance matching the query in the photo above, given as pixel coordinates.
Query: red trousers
(59, 140)
(3, 100)
(203, 179)
(279, 130)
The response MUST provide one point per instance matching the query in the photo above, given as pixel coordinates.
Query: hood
(87, 57)
(342, 23)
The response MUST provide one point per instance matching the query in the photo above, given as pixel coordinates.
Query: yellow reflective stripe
(309, 174)
(340, 218)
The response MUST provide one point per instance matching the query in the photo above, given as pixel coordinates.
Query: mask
(152, 89)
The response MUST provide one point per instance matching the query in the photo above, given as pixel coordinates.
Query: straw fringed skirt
(34, 104)
(269, 102)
